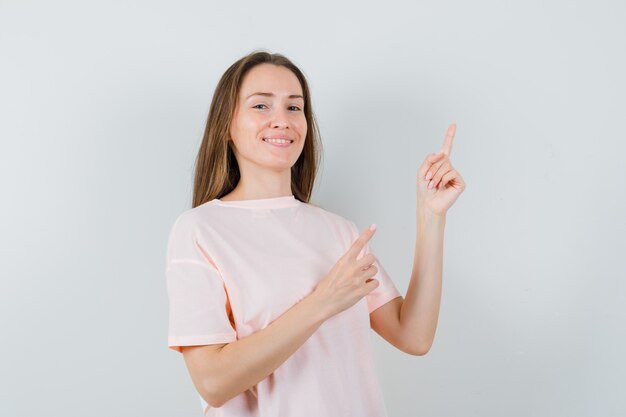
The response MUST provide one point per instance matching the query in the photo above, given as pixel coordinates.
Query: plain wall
(102, 109)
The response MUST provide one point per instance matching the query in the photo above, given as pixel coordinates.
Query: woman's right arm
(221, 372)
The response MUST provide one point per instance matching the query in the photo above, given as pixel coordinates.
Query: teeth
(277, 140)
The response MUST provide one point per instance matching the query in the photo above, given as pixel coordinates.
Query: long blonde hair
(216, 169)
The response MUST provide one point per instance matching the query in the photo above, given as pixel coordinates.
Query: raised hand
(438, 183)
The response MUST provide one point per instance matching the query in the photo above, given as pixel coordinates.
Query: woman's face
(276, 113)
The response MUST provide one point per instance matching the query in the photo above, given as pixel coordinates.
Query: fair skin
(409, 322)
(266, 169)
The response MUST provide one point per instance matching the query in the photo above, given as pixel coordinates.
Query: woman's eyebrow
(272, 95)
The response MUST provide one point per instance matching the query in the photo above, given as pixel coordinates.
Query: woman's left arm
(412, 323)
(438, 187)
(419, 312)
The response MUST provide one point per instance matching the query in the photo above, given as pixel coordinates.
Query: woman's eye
(296, 108)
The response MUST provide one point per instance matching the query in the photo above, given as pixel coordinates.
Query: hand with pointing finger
(438, 183)
(349, 280)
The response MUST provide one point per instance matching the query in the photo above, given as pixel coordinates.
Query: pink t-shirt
(233, 267)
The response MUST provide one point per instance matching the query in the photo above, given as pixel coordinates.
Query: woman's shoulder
(193, 216)
(332, 215)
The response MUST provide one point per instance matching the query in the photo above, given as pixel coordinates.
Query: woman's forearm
(247, 361)
(420, 310)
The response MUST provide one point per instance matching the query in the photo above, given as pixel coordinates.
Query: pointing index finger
(361, 241)
(447, 142)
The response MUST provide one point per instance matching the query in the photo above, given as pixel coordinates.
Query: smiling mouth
(278, 141)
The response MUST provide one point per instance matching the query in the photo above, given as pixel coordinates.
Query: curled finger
(430, 159)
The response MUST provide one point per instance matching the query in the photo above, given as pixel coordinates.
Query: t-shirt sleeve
(199, 308)
(386, 290)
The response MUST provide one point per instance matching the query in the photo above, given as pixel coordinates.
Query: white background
(102, 109)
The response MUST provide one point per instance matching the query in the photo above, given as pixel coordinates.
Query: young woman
(271, 298)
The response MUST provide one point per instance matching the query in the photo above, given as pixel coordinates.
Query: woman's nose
(279, 119)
